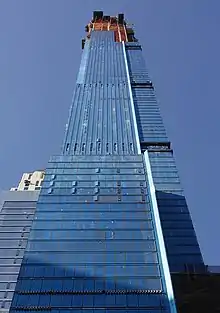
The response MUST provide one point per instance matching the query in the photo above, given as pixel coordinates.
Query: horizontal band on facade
(101, 307)
(86, 292)
(133, 47)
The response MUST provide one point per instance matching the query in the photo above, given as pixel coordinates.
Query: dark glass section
(149, 120)
(180, 238)
(197, 293)
(179, 235)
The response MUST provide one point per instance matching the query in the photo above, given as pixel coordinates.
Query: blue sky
(40, 50)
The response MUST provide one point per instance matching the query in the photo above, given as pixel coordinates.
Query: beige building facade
(30, 181)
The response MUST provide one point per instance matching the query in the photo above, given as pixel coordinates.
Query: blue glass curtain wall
(180, 238)
(94, 244)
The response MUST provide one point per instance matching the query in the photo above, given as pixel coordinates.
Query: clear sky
(40, 50)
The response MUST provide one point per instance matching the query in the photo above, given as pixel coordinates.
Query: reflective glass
(94, 228)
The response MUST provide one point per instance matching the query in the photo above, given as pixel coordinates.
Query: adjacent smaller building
(30, 181)
(17, 211)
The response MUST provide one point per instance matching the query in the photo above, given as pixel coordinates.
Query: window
(29, 176)
(25, 188)
(37, 183)
(37, 188)
(19, 204)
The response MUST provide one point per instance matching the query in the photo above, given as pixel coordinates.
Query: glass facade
(96, 242)
(182, 247)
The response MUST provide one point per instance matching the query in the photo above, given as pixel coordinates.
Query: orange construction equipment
(110, 23)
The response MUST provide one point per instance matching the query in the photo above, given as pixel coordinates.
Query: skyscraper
(111, 221)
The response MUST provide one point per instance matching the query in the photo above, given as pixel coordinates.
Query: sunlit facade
(30, 181)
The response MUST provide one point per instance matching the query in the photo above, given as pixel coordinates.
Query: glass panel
(19, 204)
